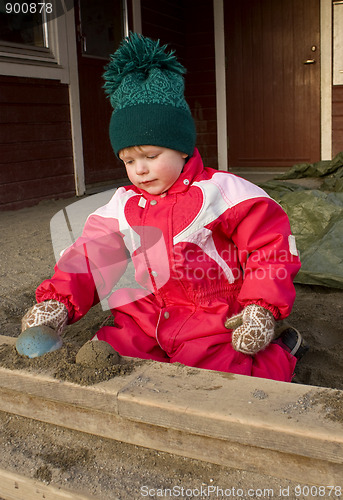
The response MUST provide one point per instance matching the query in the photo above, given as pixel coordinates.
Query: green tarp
(316, 217)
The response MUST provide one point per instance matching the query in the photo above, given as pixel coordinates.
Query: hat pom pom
(138, 54)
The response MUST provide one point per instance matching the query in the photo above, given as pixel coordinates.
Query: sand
(110, 469)
(26, 258)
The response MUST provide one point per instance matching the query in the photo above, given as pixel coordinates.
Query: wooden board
(18, 487)
(241, 422)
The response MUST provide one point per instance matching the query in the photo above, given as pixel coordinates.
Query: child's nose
(141, 167)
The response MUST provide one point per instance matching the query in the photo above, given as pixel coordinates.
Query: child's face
(152, 168)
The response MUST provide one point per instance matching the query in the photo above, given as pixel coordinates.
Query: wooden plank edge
(30, 387)
(283, 440)
(5, 339)
(211, 404)
(102, 396)
(114, 396)
(15, 486)
(183, 443)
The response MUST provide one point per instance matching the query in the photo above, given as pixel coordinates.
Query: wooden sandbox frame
(233, 420)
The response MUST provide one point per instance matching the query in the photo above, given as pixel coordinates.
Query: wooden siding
(188, 28)
(36, 157)
(337, 119)
(165, 20)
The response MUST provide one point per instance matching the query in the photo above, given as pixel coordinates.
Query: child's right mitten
(49, 313)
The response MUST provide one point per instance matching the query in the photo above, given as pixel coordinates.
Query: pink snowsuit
(212, 245)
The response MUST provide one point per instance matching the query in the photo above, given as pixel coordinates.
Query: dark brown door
(273, 81)
(99, 28)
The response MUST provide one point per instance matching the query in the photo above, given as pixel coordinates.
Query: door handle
(83, 39)
(309, 61)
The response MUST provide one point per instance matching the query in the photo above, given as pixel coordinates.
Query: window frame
(39, 62)
(337, 42)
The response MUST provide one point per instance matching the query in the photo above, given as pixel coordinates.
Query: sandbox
(281, 429)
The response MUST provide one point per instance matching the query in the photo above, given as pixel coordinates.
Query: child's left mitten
(256, 329)
(49, 313)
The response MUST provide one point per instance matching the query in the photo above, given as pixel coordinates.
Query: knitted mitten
(50, 313)
(253, 329)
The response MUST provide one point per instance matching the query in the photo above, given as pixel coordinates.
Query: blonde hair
(125, 151)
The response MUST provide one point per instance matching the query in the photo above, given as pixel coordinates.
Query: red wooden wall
(36, 157)
(337, 119)
(188, 28)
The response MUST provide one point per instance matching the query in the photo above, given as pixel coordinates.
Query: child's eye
(152, 157)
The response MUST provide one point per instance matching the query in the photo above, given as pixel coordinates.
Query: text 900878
(28, 8)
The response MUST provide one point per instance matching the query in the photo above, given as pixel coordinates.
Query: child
(206, 245)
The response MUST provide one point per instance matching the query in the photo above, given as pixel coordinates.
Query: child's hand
(50, 313)
(256, 329)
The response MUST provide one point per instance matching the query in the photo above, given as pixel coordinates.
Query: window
(34, 38)
(102, 29)
(20, 26)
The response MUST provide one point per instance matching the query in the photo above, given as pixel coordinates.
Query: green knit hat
(146, 89)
